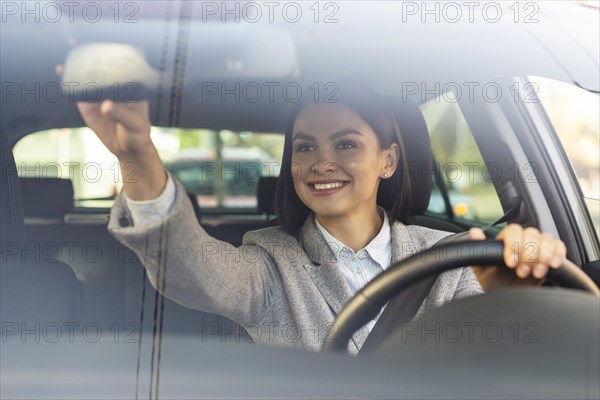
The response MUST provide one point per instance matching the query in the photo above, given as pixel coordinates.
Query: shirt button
(123, 221)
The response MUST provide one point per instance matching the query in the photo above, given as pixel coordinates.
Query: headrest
(12, 228)
(47, 197)
(265, 194)
(415, 137)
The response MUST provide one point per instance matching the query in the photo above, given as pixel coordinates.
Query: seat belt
(404, 306)
(401, 309)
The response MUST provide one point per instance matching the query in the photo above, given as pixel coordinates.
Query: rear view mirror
(98, 71)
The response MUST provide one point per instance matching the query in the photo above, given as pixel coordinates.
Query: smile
(325, 186)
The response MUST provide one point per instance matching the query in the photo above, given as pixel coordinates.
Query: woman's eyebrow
(344, 132)
(333, 136)
(305, 136)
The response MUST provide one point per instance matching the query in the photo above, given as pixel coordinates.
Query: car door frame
(517, 127)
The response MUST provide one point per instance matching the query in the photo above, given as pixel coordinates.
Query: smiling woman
(343, 216)
(354, 141)
(344, 164)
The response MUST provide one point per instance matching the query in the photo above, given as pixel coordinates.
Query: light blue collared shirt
(361, 267)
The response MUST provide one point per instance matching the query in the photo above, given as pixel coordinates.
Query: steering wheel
(367, 303)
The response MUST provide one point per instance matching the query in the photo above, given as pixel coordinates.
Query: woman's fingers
(528, 251)
(130, 114)
(546, 253)
(511, 236)
(90, 112)
(519, 245)
(134, 116)
(531, 252)
(87, 109)
(124, 128)
(476, 234)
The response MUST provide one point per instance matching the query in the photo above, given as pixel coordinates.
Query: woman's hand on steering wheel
(528, 254)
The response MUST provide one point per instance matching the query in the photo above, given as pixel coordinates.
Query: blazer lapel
(326, 275)
(324, 271)
(402, 245)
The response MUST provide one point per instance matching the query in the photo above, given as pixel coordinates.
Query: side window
(470, 189)
(75, 154)
(222, 168)
(574, 115)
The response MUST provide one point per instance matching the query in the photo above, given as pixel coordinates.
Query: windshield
(194, 191)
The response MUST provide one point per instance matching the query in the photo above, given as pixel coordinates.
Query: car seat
(33, 288)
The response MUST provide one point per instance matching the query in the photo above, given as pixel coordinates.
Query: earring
(386, 175)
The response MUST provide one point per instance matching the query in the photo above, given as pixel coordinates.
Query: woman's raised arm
(183, 262)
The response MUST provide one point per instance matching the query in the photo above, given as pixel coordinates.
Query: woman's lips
(326, 188)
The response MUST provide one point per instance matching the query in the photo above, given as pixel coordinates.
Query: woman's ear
(391, 156)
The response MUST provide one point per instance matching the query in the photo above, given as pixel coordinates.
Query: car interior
(59, 262)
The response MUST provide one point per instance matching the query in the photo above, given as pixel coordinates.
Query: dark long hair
(394, 193)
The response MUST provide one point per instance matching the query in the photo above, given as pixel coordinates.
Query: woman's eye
(304, 147)
(346, 144)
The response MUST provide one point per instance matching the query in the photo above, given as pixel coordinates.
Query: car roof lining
(386, 54)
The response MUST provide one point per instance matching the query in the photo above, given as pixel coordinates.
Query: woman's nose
(320, 167)
(323, 164)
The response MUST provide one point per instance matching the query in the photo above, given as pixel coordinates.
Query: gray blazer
(283, 290)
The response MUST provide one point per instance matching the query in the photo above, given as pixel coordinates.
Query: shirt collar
(377, 248)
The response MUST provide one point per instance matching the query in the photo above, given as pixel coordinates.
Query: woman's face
(337, 161)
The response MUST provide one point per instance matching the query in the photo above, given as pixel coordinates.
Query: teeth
(325, 186)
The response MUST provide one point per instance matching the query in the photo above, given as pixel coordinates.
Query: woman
(342, 202)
